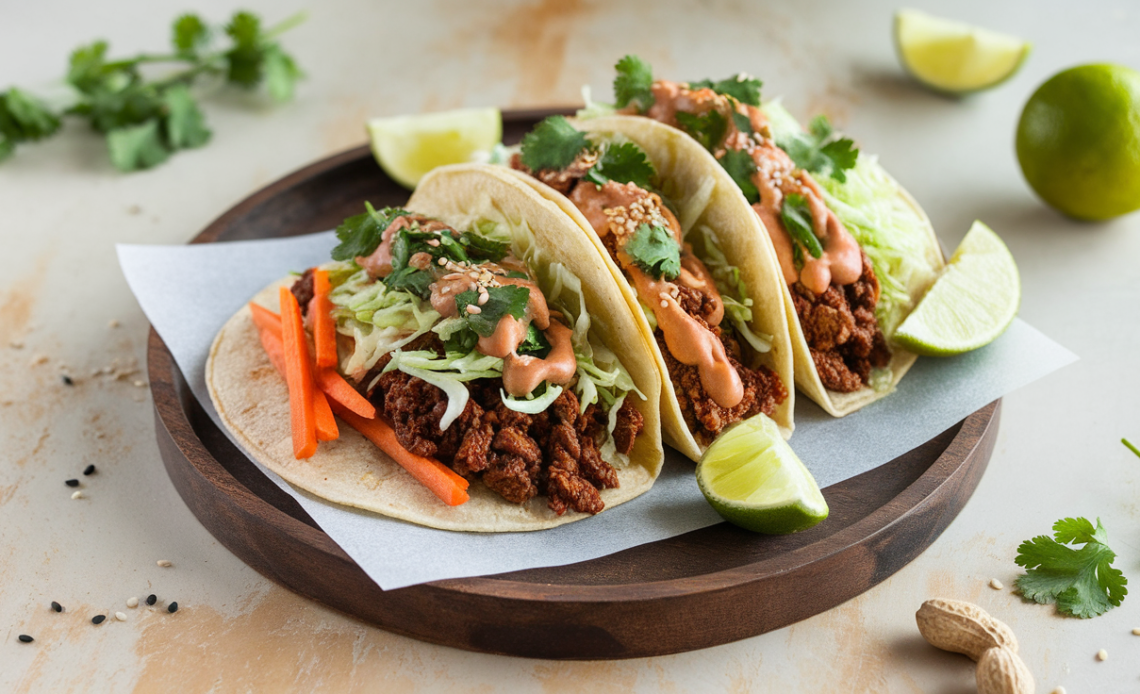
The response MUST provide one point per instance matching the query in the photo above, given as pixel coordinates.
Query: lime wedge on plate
(954, 57)
(973, 302)
(753, 479)
(407, 147)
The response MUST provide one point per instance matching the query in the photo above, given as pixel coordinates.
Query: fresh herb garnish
(624, 163)
(360, 235)
(743, 123)
(742, 87)
(797, 220)
(820, 150)
(1130, 447)
(707, 128)
(508, 299)
(741, 167)
(553, 144)
(633, 84)
(655, 250)
(483, 248)
(535, 343)
(1082, 581)
(146, 120)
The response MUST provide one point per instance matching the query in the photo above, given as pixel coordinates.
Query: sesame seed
(139, 384)
(132, 602)
(996, 584)
(1059, 690)
(172, 608)
(434, 243)
(473, 309)
(120, 616)
(1102, 655)
(56, 606)
(77, 495)
(24, 638)
(1136, 631)
(67, 380)
(443, 261)
(664, 304)
(483, 298)
(72, 483)
(89, 470)
(98, 619)
(151, 599)
(164, 563)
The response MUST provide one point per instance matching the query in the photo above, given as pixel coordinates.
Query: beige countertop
(65, 309)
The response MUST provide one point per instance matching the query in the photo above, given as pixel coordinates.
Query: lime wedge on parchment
(954, 57)
(407, 147)
(973, 302)
(753, 479)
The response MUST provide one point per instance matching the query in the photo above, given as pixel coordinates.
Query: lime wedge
(407, 147)
(753, 479)
(973, 302)
(954, 57)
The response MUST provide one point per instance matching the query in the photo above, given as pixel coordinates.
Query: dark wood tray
(701, 589)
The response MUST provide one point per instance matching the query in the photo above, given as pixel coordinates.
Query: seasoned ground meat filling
(303, 290)
(840, 327)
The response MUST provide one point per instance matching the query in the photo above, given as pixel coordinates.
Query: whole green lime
(1078, 141)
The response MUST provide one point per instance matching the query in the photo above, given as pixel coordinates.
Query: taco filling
(448, 335)
(699, 318)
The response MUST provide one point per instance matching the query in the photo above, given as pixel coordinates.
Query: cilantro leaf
(86, 70)
(633, 83)
(742, 87)
(1082, 581)
(189, 34)
(360, 235)
(535, 343)
(137, 146)
(483, 248)
(281, 73)
(740, 166)
(707, 128)
(24, 117)
(797, 220)
(509, 299)
(820, 151)
(656, 251)
(553, 144)
(246, 58)
(185, 125)
(743, 123)
(624, 163)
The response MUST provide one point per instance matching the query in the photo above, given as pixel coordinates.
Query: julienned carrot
(265, 319)
(327, 429)
(298, 376)
(320, 311)
(338, 390)
(437, 477)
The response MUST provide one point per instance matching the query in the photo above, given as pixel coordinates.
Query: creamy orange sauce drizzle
(523, 373)
(619, 209)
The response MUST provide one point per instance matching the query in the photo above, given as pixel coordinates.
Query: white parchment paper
(188, 293)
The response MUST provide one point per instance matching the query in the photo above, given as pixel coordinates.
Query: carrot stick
(265, 319)
(338, 390)
(326, 424)
(437, 477)
(298, 375)
(274, 348)
(324, 329)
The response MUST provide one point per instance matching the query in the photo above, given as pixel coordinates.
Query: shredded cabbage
(532, 404)
(593, 109)
(733, 290)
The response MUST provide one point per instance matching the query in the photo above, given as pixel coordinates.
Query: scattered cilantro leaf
(742, 87)
(462, 341)
(624, 163)
(137, 146)
(1131, 447)
(411, 280)
(535, 343)
(189, 34)
(23, 118)
(509, 299)
(655, 251)
(740, 166)
(797, 220)
(484, 248)
(1082, 582)
(185, 125)
(553, 144)
(633, 83)
(819, 150)
(743, 123)
(707, 128)
(281, 73)
(361, 234)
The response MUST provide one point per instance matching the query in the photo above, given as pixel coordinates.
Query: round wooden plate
(701, 589)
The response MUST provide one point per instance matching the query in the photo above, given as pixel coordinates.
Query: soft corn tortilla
(253, 401)
(705, 195)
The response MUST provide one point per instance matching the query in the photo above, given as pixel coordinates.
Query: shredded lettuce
(532, 404)
(593, 109)
(733, 290)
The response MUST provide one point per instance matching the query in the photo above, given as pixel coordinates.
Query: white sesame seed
(77, 495)
(1059, 690)
(445, 290)
(132, 602)
(434, 243)
(483, 298)
(664, 304)
(120, 616)
(1136, 631)
(1102, 655)
(996, 584)
(139, 384)
(443, 261)
(472, 308)
(164, 563)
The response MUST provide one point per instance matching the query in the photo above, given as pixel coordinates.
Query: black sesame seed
(24, 638)
(89, 470)
(151, 599)
(72, 483)
(56, 606)
(67, 380)
(172, 608)
(98, 619)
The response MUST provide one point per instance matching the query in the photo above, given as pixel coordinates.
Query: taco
(854, 250)
(479, 324)
(696, 277)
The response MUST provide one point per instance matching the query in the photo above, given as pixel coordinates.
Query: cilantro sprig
(633, 83)
(506, 300)
(553, 144)
(1082, 582)
(820, 150)
(360, 235)
(655, 251)
(708, 128)
(740, 166)
(742, 87)
(624, 163)
(145, 120)
(796, 217)
(1130, 446)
